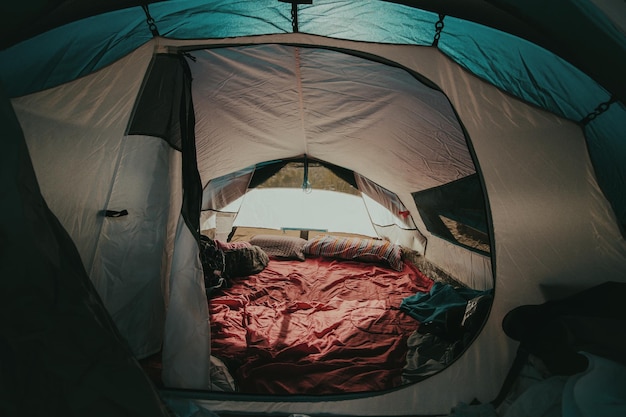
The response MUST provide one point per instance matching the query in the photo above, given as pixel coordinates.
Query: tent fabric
(57, 341)
(595, 22)
(553, 185)
(462, 200)
(520, 68)
(81, 178)
(158, 108)
(234, 84)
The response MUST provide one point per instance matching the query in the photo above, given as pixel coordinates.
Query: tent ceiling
(259, 103)
(561, 26)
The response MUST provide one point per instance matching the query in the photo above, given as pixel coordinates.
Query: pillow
(232, 245)
(355, 248)
(244, 261)
(282, 247)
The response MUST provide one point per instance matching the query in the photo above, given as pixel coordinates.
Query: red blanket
(316, 327)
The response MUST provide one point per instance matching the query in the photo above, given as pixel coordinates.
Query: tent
(128, 110)
(321, 210)
(305, 195)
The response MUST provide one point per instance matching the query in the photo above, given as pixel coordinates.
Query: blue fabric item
(599, 391)
(433, 305)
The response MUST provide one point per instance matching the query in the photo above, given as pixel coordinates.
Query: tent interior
(264, 208)
(324, 314)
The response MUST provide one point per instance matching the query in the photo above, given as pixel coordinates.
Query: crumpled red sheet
(321, 326)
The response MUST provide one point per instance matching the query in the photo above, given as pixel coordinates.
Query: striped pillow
(358, 249)
(281, 247)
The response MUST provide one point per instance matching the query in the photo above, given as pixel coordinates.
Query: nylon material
(353, 103)
(208, 220)
(75, 174)
(566, 247)
(73, 51)
(519, 67)
(470, 268)
(126, 29)
(220, 192)
(16, 69)
(488, 113)
(127, 265)
(336, 19)
(75, 103)
(244, 94)
(517, 260)
(375, 195)
(186, 342)
(224, 225)
(298, 79)
(411, 239)
(380, 215)
(359, 108)
(417, 220)
(547, 186)
(175, 204)
(199, 19)
(53, 322)
(264, 19)
(611, 124)
(539, 196)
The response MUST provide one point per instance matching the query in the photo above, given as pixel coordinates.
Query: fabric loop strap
(115, 213)
(602, 107)
(438, 29)
(150, 21)
(294, 11)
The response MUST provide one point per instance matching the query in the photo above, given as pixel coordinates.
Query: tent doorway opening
(327, 322)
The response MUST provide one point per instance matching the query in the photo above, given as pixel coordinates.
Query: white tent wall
(61, 352)
(471, 268)
(75, 134)
(86, 165)
(127, 266)
(186, 346)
